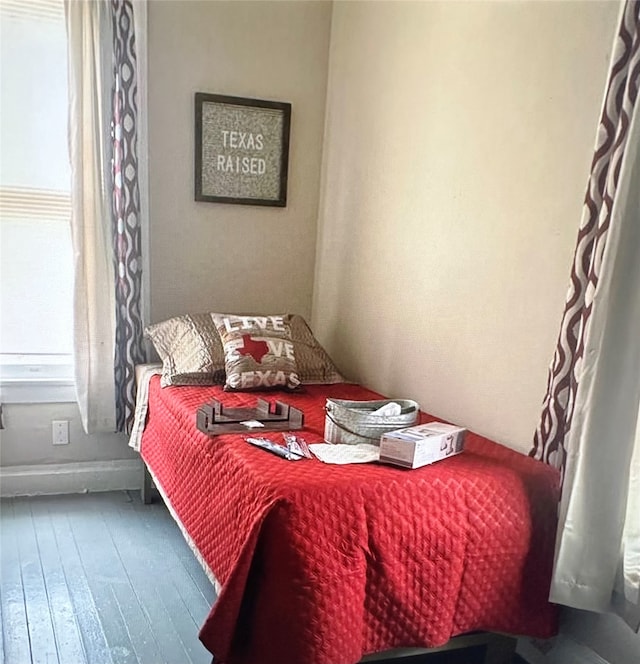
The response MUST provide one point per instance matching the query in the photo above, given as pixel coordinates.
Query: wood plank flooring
(98, 579)
(101, 578)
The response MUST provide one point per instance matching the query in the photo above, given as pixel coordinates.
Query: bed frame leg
(500, 649)
(145, 491)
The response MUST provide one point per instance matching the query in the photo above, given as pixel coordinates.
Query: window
(36, 262)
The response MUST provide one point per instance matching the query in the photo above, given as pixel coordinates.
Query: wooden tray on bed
(214, 419)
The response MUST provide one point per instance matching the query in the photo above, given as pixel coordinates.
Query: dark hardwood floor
(101, 578)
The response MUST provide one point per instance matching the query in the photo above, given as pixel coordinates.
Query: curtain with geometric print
(549, 443)
(126, 222)
(590, 422)
(104, 120)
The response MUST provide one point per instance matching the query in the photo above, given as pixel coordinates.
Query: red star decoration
(257, 349)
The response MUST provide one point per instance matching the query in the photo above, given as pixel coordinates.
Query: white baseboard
(559, 650)
(81, 477)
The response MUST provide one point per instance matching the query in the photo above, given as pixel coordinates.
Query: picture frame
(241, 150)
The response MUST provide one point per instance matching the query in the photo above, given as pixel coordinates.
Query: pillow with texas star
(258, 352)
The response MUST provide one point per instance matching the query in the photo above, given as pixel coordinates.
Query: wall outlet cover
(60, 432)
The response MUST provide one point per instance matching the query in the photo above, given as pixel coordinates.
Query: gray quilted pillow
(190, 349)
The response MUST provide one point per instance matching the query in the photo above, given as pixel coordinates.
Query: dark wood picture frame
(241, 150)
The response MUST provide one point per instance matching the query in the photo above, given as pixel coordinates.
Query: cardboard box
(422, 444)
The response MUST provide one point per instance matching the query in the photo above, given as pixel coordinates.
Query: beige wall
(209, 256)
(457, 147)
(26, 439)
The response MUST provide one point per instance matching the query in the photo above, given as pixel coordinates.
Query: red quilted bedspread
(322, 564)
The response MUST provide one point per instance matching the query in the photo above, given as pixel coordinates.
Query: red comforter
(321, 564)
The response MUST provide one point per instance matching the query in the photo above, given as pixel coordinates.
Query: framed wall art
(241, 150)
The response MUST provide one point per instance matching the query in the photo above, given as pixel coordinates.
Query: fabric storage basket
(353, 422)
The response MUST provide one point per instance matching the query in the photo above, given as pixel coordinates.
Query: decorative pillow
(190, 349)
(258, 352)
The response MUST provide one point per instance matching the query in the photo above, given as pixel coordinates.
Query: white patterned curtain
(90, 76)
(589, 427)
(103, 137)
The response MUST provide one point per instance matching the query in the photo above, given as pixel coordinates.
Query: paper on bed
(342, 453)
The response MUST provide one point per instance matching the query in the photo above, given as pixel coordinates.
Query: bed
(325, 564)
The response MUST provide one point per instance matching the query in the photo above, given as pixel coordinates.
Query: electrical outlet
(60, 432)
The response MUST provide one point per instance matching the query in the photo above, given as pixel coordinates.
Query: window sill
(42, 390)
